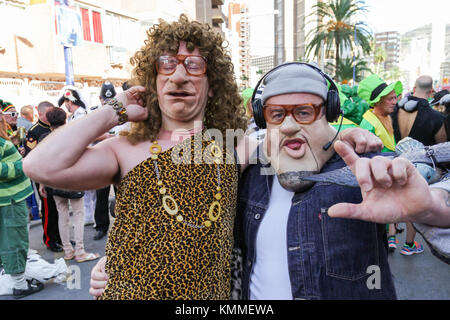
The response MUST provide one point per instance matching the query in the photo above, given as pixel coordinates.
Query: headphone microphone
(328, 145)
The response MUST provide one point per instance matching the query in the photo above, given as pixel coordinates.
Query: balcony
(217, 17)
(117, 56)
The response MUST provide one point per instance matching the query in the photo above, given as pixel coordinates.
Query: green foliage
(336, 30)
(354, 107)
(344, 70)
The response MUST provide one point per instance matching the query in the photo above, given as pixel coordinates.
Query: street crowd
(246, 222)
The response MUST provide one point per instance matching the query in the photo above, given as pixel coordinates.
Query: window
(90, 17)
(97, 24)
(86, 24)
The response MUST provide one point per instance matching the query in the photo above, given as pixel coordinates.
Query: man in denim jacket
(292, 248)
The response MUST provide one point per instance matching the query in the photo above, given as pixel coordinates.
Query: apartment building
(390, 42)
(293, 21)
(210, 11)
(238, 35)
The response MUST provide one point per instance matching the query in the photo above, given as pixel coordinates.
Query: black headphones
(332, 104)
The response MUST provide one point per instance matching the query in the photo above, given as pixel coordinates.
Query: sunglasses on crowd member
(302, 113)
(13, 114)
(194, 65)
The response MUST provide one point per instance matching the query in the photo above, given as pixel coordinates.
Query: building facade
(239, 36)
(107, 34)
(293, 22)
(210, 11)
(390, 42)
(445, 65)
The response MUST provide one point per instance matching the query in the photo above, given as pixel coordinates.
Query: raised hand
(133, 102)
(392, 189)
(361, 140)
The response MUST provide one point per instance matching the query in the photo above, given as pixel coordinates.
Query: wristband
(120, 110)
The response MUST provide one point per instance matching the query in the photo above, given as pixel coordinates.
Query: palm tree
(344, 70)
(393, 74)
(336, 30)
(379, 57)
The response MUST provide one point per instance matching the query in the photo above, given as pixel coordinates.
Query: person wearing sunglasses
(10, 114)
(15, 187)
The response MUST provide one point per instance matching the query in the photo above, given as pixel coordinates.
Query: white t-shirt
(270, 277)
(80, 112)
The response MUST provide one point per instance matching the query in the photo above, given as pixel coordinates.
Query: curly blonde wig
(223, 110)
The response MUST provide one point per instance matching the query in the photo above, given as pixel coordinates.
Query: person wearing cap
(76, 105)
(10, 114)
(293, 249)
(101, 214)
(416, 119)
(15, 187)
(382, 99)
(74, 102)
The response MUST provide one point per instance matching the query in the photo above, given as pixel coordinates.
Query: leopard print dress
(151, 255)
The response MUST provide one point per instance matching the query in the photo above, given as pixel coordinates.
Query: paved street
(416, 277)
(55, 291)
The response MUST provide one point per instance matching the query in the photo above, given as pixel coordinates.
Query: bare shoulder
(128, 155)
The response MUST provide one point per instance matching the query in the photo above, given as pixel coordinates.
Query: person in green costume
(382, 99)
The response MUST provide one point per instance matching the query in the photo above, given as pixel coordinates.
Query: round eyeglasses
(194, 65)
(302, 113)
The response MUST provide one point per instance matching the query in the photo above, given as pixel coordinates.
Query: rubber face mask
(296, 150)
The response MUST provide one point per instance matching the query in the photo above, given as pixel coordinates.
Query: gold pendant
(211, 215)
(167, 208)
(155, 148)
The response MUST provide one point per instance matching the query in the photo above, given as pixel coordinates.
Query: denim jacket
(328, 258)
(438, 239)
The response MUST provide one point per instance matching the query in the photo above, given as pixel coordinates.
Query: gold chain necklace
(155, 150)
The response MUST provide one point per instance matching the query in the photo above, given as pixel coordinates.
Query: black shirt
(38, 129)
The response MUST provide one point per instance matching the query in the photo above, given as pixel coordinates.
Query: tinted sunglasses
(194, 65)
(302, 113)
